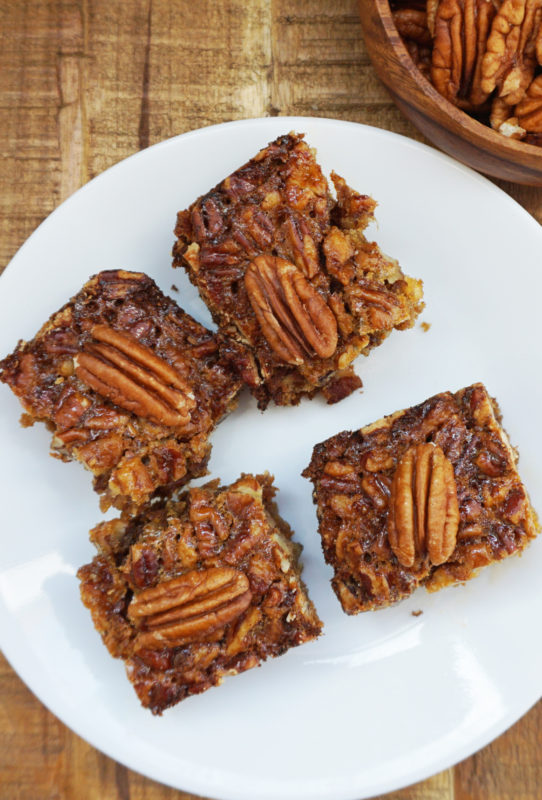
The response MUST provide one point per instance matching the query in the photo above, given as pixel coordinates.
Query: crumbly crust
(231, 536)
(279, 207)
(132, 454)
(353, 474)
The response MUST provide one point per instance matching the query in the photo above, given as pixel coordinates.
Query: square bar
(196, 588)
(426, 496)
(289, 276)
(129, 384)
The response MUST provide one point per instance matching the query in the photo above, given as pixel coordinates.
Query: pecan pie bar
(128, 383)
(197, 587)
(289, 276)
(425, 496)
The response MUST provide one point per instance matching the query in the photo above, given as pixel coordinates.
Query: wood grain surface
(85, 84)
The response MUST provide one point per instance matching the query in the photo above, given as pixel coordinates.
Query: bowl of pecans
(468, 74)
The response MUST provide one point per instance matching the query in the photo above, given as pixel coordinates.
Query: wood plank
(321, 67)
(508, 769)
(29, 39)
(169, 67)
(439, 787)
(72, 119)
(41, 759)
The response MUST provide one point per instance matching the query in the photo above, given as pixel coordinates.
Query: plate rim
(14, 651)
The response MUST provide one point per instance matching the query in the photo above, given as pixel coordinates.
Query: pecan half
(412, 24)
(461, 29)
(502, 119)
(190, 607)
(510, 58)
(424, 513)
(381, 307)
(529, 110)
(129, 374)
(294, 318)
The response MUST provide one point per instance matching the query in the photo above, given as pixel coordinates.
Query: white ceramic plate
(383, 699)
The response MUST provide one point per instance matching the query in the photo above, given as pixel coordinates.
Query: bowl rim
(478, 129)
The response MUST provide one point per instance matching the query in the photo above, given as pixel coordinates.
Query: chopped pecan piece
(304, 250)
(424, 513)
(343, 384)
(293, 316)
(129, 374)
(510, 58)
(483, 55)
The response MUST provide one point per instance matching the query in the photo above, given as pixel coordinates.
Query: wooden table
(85, 84)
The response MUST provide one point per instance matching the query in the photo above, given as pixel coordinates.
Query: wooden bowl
(449, 128)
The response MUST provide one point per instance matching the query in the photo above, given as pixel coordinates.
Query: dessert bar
(197, 587)
(426, 496)
(129, 384)
(289, 276)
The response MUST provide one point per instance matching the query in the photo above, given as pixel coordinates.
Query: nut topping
(190, 607)
(424, 512)
(129, 374)
(304, 248)
(294, 318)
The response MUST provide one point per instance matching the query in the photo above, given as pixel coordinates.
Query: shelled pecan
(294, 318)
(485, 57)
(190, 607)
(510, 59)
(529, 110)
(424, 513)
(460, 32)
(130, 375)
(502, 119)
(412, 24)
